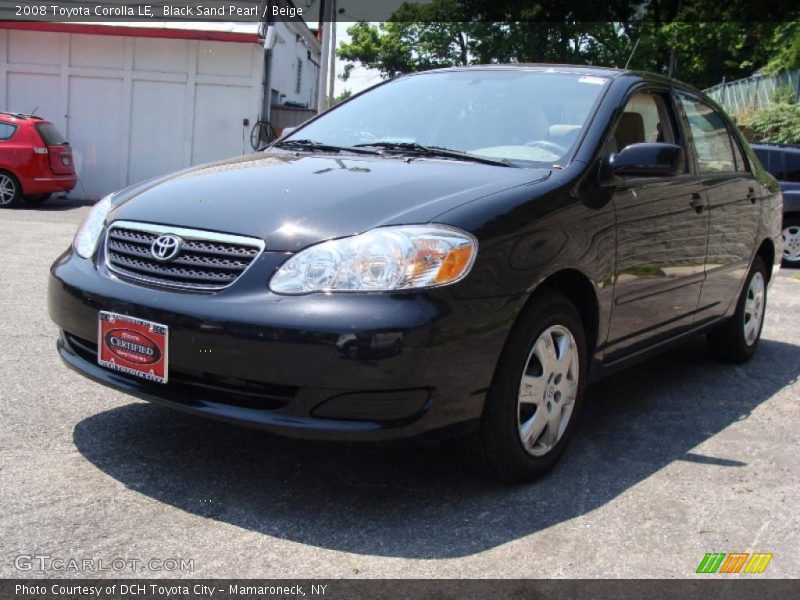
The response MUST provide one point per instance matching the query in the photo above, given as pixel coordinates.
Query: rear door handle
(697, 203)
(751, 194)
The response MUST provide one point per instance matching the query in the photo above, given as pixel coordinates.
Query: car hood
(292, 201)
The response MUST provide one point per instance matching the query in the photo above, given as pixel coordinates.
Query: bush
(784, 94)
(778, 123)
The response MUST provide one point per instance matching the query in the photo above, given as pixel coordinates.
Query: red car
(35, 160)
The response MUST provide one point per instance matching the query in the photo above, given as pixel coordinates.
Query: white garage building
(136, 102)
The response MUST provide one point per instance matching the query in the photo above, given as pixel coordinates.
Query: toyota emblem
(166, 247)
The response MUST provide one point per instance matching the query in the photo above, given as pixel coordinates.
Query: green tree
(341, 97)
(785, 47)
(702, 40)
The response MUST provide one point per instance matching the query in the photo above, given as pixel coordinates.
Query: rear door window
(772, 161)
(50, 134)
(763, 157)
(7, 130)
(792, 163)
(712, 141)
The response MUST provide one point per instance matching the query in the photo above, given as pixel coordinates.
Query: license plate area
(133, 346)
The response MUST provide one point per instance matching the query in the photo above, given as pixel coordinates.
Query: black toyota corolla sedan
(452, 253)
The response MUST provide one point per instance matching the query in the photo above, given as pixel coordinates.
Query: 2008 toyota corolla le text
(456, 253)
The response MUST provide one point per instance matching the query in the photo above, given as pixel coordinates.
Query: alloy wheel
(754, 308)
(548, 390)
(8, 190)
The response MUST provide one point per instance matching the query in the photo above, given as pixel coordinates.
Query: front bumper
(335, 366)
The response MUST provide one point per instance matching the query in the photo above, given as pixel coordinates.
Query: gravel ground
(674, 458)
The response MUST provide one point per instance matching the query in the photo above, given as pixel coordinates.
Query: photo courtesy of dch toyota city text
(379, 299)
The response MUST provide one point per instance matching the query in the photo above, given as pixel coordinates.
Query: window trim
(782, 158)
(786, 165)
(737, 146)
(732, 134)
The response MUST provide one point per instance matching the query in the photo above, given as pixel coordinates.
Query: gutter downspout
(325, 29)
(266, 93)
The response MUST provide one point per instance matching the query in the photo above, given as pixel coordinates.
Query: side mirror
(654, 159)
(286, 131)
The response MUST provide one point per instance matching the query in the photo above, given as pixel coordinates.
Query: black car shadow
(420, 502)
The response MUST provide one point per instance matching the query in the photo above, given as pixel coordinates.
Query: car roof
(775, 146)
(597, 71)
(22, 116)
(561, 68)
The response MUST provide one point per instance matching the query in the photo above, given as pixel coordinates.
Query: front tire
(736, 340)
(10, 190)
(533, 403)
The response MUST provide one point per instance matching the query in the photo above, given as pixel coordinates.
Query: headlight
(381, 260)
(88, 234)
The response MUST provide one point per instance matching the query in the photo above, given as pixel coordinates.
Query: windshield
(513, 114)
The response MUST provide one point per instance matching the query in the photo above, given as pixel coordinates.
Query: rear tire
(37, 200)
(736, 340)
(532, 399)
(791, 243)
(10, 190)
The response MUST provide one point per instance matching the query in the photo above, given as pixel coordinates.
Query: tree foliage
(703, 40)
(785, 45)
(341, 97)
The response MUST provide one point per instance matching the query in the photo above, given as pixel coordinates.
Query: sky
(360, 77)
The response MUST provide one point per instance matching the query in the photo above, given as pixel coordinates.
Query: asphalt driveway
(674, 458)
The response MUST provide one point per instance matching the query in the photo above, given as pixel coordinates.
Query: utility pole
(332, 67)
(327, 26)
(266, 95)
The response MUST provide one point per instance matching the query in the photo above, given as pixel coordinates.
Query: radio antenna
(635, 46)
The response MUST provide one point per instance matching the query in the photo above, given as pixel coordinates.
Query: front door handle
(697, 203)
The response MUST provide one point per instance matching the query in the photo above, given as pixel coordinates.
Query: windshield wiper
(312, 146)
(415, 148)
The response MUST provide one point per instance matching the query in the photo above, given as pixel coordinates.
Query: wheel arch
(7, 171)
(10, 173)
(580, 290)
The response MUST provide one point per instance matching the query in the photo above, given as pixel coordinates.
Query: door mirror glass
(648, 158)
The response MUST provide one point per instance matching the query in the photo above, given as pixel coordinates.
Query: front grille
(207, 261)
